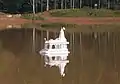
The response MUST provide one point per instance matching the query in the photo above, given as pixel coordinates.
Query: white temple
(55, 52)
(57, 46)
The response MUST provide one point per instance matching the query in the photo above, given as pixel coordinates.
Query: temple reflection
(58, 61)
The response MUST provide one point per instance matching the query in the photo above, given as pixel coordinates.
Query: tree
(61, 4)
(108, 4)
(47, 8)
(55, 4)
(44, 5)
(65, 4)
(73, 4)
(33, 4)
(80, 4)
(71, 1)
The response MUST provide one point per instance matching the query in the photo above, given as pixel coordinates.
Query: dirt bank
(4, 21)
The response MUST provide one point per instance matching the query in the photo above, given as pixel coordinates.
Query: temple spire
(62, 34)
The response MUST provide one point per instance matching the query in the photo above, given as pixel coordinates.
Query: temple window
(47, 58)
(53, 58)
(58, 46)
(48, 46)
(53, 46)
(58, 58)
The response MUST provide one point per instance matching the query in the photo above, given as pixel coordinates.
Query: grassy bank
(85, 12)
(31, 16)
(58, 25)
(76, 28)
(84, 28)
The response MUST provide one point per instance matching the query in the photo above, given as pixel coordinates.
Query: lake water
(94, 57)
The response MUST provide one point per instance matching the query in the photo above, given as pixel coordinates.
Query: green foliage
(117, 13)
(85, 12)
(31, 16)
(67, 12)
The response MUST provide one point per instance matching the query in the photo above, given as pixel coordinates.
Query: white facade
(57, 46)
(55, 52)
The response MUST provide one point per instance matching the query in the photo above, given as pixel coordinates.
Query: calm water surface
(94, 57)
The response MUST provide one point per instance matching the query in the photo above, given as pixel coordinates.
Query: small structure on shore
(55, 52)
(9, 16)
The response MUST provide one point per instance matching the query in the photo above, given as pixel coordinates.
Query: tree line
(43, 5)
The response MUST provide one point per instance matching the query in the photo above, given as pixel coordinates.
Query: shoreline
(4, 21)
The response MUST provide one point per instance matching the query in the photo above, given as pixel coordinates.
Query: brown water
(94, 58)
